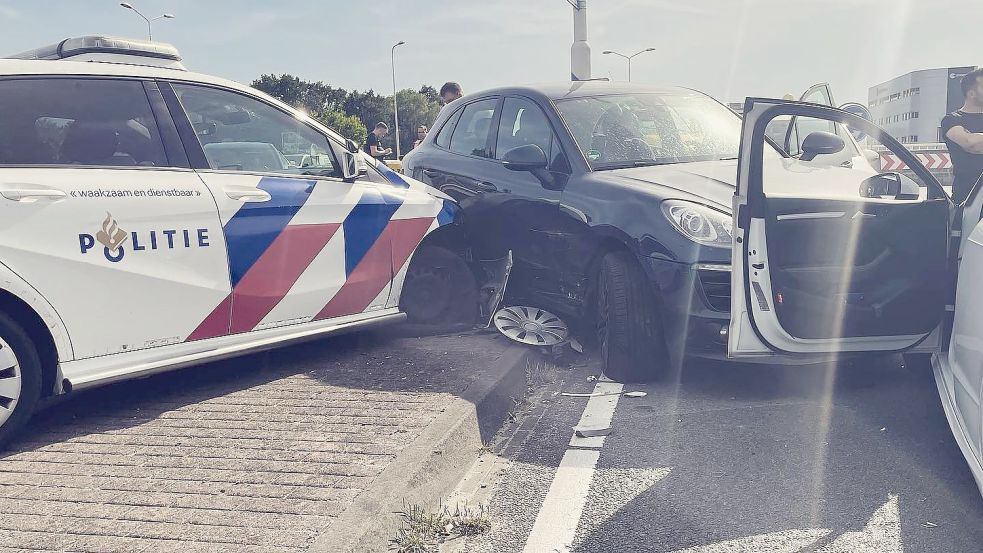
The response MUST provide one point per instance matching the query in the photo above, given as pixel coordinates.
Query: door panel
(824, 264)
(303, 244)
(964, 370)
(127, 249)
(889, 281)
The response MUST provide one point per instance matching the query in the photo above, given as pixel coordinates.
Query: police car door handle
(28, 193)
(249, 194)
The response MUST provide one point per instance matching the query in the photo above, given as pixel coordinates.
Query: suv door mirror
(351, 145)
(525, 158)
(889, 186)
(821, 143)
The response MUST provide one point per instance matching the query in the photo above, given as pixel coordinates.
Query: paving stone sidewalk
(253, 454)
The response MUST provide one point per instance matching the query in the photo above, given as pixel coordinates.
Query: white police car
(152, 218)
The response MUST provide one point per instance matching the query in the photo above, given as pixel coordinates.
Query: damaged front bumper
(695, 306)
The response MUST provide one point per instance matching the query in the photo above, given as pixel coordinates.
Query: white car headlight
(700, 223)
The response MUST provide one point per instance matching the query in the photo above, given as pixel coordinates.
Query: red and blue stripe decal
(267, 255)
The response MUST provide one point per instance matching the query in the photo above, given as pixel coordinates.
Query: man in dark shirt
(963, 131)
(373, 142)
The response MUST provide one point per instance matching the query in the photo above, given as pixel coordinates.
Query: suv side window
(523, 123)
(471, 133)
(67, 121)
(444, 138)
(241, 133)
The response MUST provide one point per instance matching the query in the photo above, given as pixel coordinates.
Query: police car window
(78, 122)
(239, 133)
(471, 133)
(522, 123)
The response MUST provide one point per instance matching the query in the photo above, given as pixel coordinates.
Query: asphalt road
(740, 458)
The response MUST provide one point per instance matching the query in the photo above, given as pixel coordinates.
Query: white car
(821, 272)
(149, 220)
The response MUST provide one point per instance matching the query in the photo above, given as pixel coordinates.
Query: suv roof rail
(107, 49)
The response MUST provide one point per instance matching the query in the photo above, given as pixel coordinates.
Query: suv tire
(629, 330)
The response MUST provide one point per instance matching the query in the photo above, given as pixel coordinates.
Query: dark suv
(615, 201)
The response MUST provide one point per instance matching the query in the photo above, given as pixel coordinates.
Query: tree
(415, 109)
(312, 97)
(348, 126)
(431, 94)
(351, 114)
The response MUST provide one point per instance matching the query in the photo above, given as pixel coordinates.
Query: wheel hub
(10, 381)
(531, 325)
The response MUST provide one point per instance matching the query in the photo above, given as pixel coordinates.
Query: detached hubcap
(10, 381)
(531, 325)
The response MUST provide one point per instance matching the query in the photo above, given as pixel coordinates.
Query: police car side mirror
(352, 146)
(821, 143)
(352, 167)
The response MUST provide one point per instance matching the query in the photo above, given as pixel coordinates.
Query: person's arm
(379, 152)
(972, 142)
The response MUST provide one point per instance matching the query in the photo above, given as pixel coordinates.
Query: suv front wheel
(629, 330)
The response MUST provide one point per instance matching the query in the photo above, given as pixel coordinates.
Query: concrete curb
(429, 469)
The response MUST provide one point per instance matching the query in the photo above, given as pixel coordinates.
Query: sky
(727, 48)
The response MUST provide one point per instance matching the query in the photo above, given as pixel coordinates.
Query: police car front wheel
(20, 377)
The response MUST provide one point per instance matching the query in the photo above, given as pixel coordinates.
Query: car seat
(93, 144)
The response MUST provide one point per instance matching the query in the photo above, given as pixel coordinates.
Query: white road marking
(789, 541)
(599, 412)
(558, 518)
(882, 533)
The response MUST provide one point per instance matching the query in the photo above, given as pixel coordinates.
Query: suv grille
(716, 289)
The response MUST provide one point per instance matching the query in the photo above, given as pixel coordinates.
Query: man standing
(450, 91)
(421, 133)
(373, 143)
(963, 131)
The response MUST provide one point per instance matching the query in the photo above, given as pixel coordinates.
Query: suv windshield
(625, 130)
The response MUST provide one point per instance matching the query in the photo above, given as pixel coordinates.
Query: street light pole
(150, 30)
(580, 49)
(396, 104)
(628, 57)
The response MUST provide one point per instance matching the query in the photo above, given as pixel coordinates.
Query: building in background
(911, 107)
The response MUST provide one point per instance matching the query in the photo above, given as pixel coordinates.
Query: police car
(153, 218)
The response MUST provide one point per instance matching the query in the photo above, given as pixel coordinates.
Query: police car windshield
(625, 130)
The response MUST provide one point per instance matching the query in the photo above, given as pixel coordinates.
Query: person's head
(381, 129)
(972, 85)
(421, 132)
(450, 91)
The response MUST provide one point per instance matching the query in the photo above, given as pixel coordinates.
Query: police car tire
(440, 293)
(629, 330)
(29, 367)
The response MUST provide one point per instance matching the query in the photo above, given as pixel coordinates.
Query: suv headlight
(700, 223)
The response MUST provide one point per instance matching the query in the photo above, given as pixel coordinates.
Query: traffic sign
(859, 110)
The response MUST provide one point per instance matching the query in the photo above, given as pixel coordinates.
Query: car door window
(241, 133)
(103, 122)
(444, 138)
(523, 123)
(471, 132)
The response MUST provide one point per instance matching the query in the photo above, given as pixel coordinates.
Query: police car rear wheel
(20, 378)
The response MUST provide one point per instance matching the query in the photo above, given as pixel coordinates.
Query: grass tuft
(422, 531)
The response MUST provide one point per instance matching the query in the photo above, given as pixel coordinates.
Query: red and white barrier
(933, 161)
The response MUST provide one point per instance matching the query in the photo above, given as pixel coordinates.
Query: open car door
(831, 258)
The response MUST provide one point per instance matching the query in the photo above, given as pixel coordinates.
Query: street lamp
(395, 105)
(150, 32)
(628, 57)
